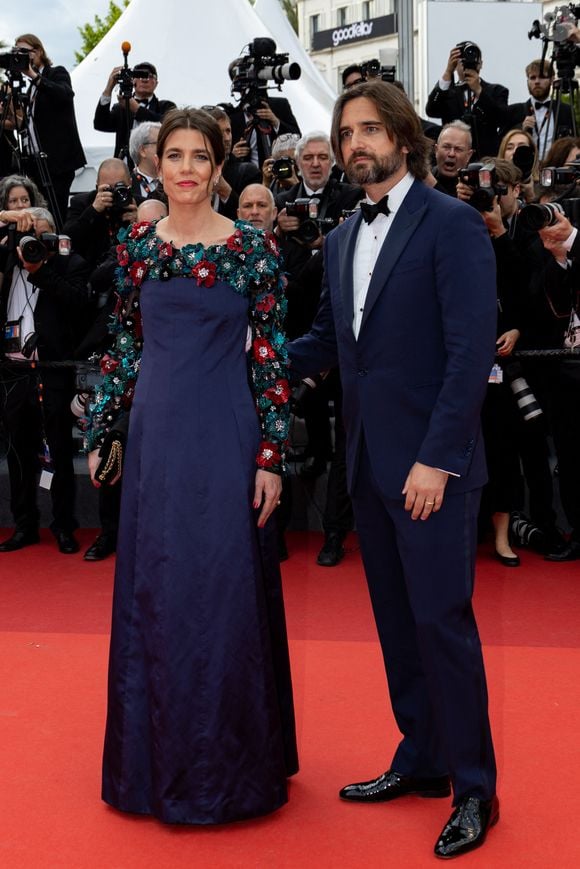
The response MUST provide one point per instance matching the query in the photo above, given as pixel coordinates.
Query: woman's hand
(94, 458)
(506, 342)
(267, 493)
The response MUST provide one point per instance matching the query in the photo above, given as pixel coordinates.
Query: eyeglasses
(459, 149)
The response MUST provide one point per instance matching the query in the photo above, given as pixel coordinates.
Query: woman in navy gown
(200, 724)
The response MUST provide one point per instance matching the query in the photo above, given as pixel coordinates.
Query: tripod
(29, 158)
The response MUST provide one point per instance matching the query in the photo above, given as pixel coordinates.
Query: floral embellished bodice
(248, 261)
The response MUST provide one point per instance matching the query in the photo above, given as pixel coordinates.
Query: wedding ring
(430, 502)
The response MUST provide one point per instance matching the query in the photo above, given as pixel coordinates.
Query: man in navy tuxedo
(409, 313)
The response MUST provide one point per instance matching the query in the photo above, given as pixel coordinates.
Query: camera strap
(47, 469)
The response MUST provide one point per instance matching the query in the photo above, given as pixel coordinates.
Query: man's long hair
(399, 117)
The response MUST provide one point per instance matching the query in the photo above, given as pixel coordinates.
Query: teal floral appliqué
(249, 261)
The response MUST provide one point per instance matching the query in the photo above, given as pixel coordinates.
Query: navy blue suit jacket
(414, 381)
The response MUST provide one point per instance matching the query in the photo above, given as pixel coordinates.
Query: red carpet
(53, 648)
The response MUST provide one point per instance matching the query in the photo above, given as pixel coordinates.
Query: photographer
(142, 105)
(279, 170)
(142, 145)
(562, 284)
(52, 126)
(259, 118)
(94, 218)
(477, 102)
(453, 152)
(544, 118)
(43, 294)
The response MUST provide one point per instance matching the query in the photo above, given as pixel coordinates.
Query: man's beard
(380, 168)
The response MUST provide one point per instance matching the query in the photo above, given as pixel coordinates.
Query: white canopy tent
(191, 50)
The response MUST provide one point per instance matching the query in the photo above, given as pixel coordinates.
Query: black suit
(92, 232)
(485, 117)
(516, 113)
(62, 283)
(238, 175)
(56, 131)
(288, 124)
(112, 118)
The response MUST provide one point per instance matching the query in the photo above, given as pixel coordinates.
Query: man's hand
(464, 191)
(266, 114)
(104, 199)
(529, 123)
(241, 149)
(493, 220)
(473, 81)
(287, 224)
(130, 214)
(267, 176)
(506, 342)
(454, 57)
(112, 81)
(424, 489)
(553, 237)
(23, 219)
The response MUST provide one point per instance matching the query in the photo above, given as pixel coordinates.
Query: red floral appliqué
(269, 455)
(165, 250)
(266, 303)
(108, 364)
(262, 350)
(279, 393)
(236, 241)
(139, 230)
(122, 255)
(204, 272)
(137, 273)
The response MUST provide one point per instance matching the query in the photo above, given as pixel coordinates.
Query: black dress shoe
(332, 552)
(313, 467)
(467, 827)
(508, 560)
(66, 542)
(101, 548)
(570, 552)
(391, 785)
(19, 540)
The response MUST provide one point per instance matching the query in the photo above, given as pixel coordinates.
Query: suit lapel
(406, 220)
(345, 265)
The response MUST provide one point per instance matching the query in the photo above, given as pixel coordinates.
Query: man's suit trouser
(420, 577)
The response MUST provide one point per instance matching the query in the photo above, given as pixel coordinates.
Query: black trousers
(24, 424)
(566, 430)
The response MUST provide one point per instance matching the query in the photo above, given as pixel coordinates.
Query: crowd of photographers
(518, 164)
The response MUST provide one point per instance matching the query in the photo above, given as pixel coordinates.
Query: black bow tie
(541, 105)
(370, 210)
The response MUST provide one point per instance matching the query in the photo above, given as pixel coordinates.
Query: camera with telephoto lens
(482, 179)
(470, 54)
(283, 168)
(125, 80)
(311, 225)
(36, 250)
(556, 29)
(252, 72)
(15, 61)
(371, 69)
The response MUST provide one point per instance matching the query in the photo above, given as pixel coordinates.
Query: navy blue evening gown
(200, 726)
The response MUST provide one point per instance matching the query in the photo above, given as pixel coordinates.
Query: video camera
(311, 225)
(261, 64)
(15, 61)
(372, 69)
(556, 30)
(482, 179)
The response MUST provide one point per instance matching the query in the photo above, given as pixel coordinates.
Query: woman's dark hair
(35, 42)
(7, 184)
(193, 119)
(399, 117)
(560, 149)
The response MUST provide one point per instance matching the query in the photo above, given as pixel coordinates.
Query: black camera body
(15, 61)
(36, 250)
(283, 168)
(311, 225)
(557, 176)
(482, 179)
(121, 196)
(470, 54)
(372, 69)
(125, 80)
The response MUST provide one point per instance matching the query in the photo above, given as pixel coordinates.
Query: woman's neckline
(238, 224)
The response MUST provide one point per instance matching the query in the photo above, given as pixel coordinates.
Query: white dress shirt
(22, 300)
(370, 239)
